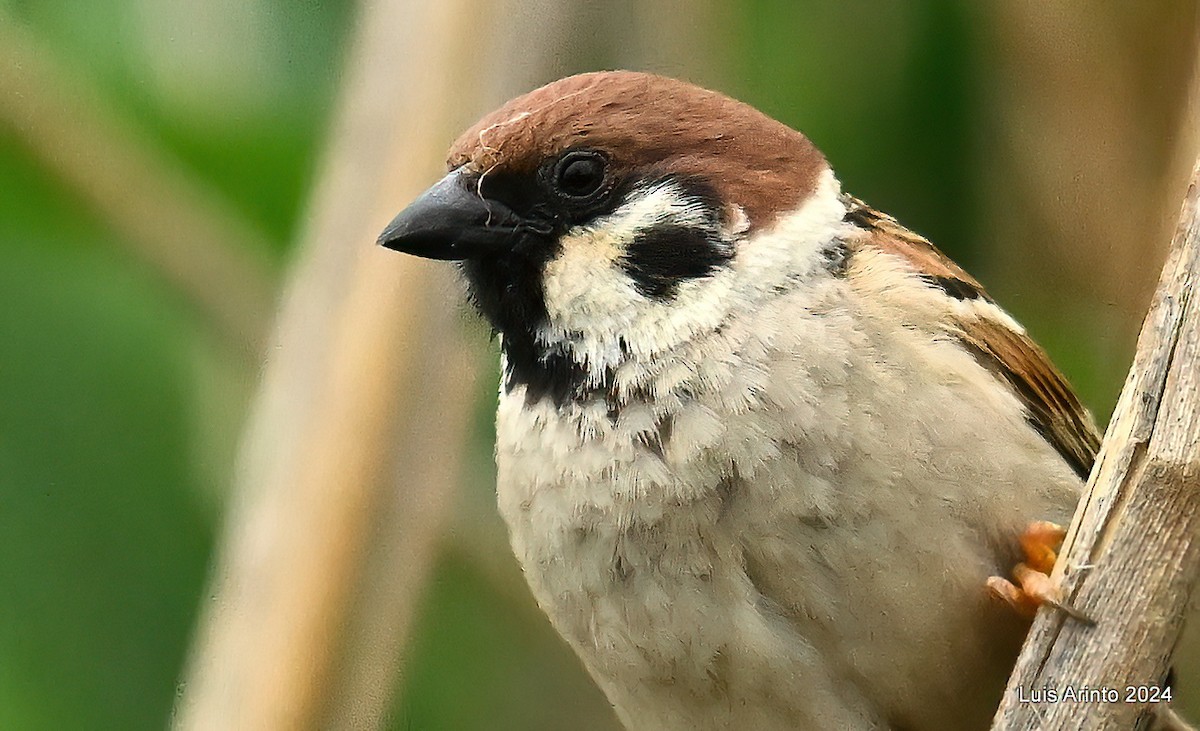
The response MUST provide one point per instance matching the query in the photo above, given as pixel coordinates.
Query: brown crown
(648, 123)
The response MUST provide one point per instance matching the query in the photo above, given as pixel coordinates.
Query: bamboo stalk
(1131, 558)
(327, 448)
(349, 463)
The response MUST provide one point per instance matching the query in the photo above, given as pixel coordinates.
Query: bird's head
(616, 214)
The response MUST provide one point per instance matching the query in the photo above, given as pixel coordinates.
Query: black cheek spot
(662, 257)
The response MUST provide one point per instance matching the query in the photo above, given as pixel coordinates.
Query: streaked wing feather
(1051, 405)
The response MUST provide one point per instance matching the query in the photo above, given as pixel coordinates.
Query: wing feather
(994, 338)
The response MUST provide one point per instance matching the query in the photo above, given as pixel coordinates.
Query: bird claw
(1034, 587)
(1040, 543)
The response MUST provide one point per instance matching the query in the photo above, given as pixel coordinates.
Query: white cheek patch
(592, 303)
(597, 314)
(572, 277)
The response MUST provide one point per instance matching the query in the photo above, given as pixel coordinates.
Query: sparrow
(759, 447)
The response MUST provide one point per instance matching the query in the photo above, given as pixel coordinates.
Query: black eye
(579, 174)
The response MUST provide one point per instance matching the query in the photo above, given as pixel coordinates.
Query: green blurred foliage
(116, 425)
(885, 92)
(112, 455)
(239, 92)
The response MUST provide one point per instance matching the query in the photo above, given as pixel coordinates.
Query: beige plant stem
(329, 446)
(348, 465)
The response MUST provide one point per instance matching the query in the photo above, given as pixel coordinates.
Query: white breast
(790, 522)
(743, 549)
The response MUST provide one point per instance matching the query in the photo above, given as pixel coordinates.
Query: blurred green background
(121, 401)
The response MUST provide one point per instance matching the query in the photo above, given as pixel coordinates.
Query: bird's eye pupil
(580, 174)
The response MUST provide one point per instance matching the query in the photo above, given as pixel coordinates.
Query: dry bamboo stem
(352, 452)
(1130, 559)
(326, 448)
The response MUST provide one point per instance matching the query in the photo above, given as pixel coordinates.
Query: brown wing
(994, 340)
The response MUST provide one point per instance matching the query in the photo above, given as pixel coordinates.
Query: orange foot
(1040, 543)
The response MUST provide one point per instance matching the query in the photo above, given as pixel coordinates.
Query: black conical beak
(452, 221)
